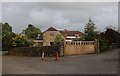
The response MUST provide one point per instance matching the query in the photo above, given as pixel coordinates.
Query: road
(0, 62)
(104, 63)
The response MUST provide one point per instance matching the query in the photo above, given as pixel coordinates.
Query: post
(56, 56)
(64, 47)
(43, 55)
(97, 46)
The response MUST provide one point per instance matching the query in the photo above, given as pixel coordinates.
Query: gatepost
(96, 43)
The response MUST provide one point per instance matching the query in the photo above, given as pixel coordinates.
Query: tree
(0, 36)
(59, 38)
(58, 44)
(31, 31)
(90, 33)
(21, 40)
(7, 35)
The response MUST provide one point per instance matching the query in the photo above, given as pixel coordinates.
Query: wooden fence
(81, 47)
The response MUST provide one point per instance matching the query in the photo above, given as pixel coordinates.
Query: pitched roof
(63, 32)
(70, 33)
(51, 29)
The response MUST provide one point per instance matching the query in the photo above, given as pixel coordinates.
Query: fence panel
(80, 47)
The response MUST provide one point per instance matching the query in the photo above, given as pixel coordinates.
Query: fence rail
(80, 47)
(80, 43)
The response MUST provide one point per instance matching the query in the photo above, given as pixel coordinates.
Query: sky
(0, 12)
(60, 15)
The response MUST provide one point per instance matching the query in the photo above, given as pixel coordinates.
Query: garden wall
(30, 51)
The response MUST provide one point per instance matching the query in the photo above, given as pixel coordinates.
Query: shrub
(103, 44)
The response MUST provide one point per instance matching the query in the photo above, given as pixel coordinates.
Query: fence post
(97, 46)
(64, 46)
(43, 55)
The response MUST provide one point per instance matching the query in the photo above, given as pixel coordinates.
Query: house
(71, 35)
(71, 47)
(111, 36)
(48, 36)
(39, 40)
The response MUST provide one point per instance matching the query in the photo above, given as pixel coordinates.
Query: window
(51, 43)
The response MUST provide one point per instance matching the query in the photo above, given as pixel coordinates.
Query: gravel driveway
(104, 63)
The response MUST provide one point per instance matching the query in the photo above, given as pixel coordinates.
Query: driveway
(0, 62)
(104, 63)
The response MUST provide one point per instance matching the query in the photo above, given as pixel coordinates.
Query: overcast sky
(0, 12)
(61, 15)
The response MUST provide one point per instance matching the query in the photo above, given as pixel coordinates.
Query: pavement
(103, 63)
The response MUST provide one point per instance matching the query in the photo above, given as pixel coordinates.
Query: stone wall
(48, 37)
(80, 47)
(30, 51)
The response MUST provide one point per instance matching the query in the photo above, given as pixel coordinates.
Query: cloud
(60, 1)
(69, 15)
(0, 12)
(41, 16)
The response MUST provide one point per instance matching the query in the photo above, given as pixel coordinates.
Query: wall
(48, 37)
(30, 51)
(38, 43)
(80, 47)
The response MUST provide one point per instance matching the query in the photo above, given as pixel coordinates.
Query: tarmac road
(104, 63)
(0, 62)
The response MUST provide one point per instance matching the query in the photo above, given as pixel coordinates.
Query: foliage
(20, 40)
(7, 35)
(90, 33)
(102, 44)
(111, 37)
(58, 44)
(0, 30)
(31, 31)
(59, 38)
(0, 36)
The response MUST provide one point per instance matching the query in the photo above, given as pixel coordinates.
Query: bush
(21, 40)
(103, 45)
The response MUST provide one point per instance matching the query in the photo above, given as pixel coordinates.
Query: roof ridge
(51, 29)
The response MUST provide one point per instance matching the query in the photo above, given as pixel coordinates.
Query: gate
(81, 47)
